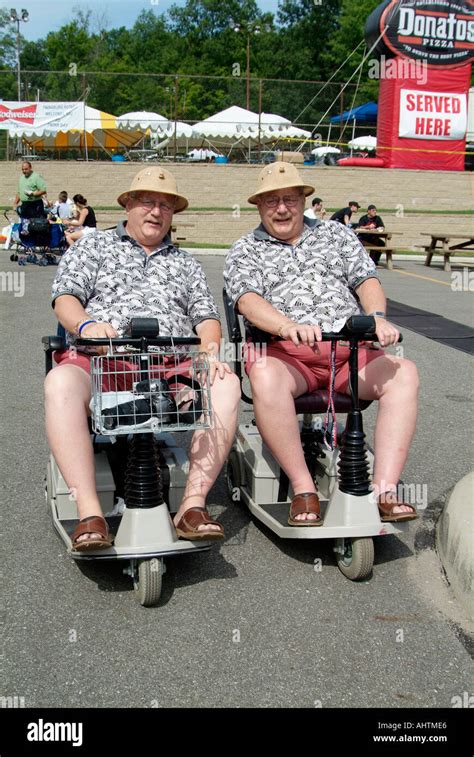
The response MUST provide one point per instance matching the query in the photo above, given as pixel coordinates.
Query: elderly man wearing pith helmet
(293, 278)
(103, 281)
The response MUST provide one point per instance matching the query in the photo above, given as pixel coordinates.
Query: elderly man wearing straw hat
(293, 277)
(102, 282)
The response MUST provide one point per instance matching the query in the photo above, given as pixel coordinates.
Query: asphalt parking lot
(76, 637)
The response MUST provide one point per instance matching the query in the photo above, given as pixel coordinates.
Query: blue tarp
(364, 114)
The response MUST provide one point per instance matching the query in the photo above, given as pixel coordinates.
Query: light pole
(16, 18)
(249, 29)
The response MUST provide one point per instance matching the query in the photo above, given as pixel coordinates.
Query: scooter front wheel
(147, 581)
(355, 557)
(234, 476)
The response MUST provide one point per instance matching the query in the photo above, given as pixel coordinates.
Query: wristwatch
(378, 313)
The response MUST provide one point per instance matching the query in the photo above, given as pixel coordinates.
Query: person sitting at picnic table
(374, 222)
(344, 215)
(316, 210)
(63, 208)
(85, 221)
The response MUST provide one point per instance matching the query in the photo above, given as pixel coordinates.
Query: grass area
(204, 246)
(248, 209)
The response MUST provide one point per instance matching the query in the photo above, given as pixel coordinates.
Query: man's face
(26, 169)
(149, 216)
(354, 208)
(317, 207)
(281, 212)
(372, 212)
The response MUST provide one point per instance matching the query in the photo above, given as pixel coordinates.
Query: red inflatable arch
(423, 52)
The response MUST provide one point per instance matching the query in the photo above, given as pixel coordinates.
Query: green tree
(349, 34)
(8, 32)
(306, 30)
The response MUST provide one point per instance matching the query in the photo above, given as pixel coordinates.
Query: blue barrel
(221, 159)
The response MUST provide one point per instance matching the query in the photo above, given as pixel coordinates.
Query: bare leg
(67, 393)
(274, 387)
(394, 383)
(72, 236)
(210, 447)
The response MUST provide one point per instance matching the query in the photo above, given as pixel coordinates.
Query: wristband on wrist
(78, 324)
(378, 313)
(83, 324)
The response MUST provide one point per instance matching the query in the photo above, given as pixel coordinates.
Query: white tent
(325, 150)
(363, 143)
(158, 125)
(202, 154)
(237, 123)
(140, 119)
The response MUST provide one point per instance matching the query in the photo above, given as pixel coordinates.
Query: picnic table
(387, 236)
(446, 249)
(175, 238)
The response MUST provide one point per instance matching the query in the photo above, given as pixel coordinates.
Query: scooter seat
(317, 402)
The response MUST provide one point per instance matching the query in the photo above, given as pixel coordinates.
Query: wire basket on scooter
(150, 392)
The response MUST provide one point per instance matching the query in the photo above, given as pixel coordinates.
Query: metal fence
(188, 98)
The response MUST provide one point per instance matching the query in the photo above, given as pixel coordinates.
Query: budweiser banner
(432, 115)
(41, 117)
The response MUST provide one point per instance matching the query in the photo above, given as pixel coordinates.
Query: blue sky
(50, 15)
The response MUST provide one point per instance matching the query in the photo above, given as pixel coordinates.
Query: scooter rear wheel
(149, 580)
(355, 557)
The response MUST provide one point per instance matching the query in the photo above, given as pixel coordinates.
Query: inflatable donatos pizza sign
(422, 116)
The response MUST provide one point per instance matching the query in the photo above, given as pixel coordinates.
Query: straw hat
(155, 179)
(279, 175)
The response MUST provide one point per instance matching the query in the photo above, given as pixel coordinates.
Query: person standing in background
(31, 188)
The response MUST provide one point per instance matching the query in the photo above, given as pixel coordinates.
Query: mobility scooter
(341, 470)
(139, 398)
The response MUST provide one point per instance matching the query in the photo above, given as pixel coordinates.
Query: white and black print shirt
(311, 282)
(115, 280)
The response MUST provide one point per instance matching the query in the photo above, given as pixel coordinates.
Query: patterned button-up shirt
(115, 280)
(311, 282)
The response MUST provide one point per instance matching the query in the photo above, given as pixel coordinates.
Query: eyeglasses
(274, 202)
(148, 204)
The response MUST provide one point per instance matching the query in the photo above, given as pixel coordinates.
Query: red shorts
(118, 374)
(314, 366)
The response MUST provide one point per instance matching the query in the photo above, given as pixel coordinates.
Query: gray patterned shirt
(115, 280)
(312, 281)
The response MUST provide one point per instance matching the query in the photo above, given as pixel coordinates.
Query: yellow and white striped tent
(65, 126)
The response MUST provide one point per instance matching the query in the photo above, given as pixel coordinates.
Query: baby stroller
(37, 241)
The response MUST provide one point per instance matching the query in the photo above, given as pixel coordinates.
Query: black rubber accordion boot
(143, 475)
(353, 465)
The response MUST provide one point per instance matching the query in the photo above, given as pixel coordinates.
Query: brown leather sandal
(305, 503)
(386, 504)
(93, 525)
(187, 526)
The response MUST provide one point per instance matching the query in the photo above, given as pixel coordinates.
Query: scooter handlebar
(157, 341)
(360, 328)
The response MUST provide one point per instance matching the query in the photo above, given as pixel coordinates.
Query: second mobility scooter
(342, 474)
